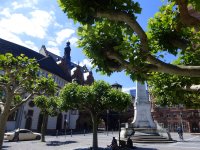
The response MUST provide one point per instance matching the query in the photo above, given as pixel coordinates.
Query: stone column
(142, 108)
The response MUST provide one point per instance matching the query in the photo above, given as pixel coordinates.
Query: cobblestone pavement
(81, 142)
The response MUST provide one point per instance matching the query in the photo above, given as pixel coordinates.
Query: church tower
(67, 57)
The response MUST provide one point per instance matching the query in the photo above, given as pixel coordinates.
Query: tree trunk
(44, 125)
(4, 116)
(95, 124)
(3, 120)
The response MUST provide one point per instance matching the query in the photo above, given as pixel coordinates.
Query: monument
(142, 128)
(142, 108)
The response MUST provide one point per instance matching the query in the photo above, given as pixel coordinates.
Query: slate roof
(46, 63)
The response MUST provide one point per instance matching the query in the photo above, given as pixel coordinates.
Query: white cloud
(35, 25)
(31, 45)
(86, 62)
(63, 35)
(54, 50)
(15, 39)
(73, 41)
(127, 89)
(56, 24)
(24, 4)
(5, 12)
(52, 43)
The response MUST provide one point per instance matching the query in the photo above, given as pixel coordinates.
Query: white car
(24, 134)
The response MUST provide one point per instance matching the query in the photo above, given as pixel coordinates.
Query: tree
(47, 102)
(95, 99)
(114, 41)
(18, 83)
(48, 106)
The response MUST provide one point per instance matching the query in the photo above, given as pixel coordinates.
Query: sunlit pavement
(78, 142)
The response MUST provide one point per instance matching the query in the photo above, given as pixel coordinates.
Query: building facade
(63, 71)
(177, 116)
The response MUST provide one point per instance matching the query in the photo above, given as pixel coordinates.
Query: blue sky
(33, 23)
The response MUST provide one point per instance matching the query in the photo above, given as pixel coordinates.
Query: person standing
(16, 135)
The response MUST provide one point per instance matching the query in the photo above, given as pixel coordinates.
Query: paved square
(78, 142)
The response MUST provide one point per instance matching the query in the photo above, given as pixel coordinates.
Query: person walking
(180, 133)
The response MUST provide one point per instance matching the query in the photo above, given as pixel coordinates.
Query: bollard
(56, 133)
(84, 132)
(71, 132)
(65, 132)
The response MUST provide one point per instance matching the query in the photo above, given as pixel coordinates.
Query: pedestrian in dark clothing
(180, 132)
(16, 136)
(114, 144)
(129, 143)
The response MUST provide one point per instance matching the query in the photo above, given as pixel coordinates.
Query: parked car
(22, 134)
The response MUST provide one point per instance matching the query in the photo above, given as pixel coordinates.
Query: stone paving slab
(81, 142)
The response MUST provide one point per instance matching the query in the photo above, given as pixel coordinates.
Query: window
(184, 125)
(31, 104)
(73, 112)
(30, 113)
(174, 115)
(24, 131)
(169, 126)
(13, 116)
(175, 126)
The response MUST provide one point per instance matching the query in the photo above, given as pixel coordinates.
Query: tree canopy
(19, 82)
(95, 99)
(112, 38)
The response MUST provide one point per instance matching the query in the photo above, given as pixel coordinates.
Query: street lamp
(181, 121)
(107, 121)
(119, 129)
(65, 126)
(118, 87)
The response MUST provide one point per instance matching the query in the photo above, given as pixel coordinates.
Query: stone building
(173, 117)
(63, 71)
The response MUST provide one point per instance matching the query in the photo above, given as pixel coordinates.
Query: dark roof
(117, 85)
(46, 63)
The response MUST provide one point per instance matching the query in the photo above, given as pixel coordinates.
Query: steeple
(67, 50)
(67, 57)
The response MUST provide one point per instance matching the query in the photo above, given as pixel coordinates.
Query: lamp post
(65, 126)
(119, 128)
(107, 121)
(181, 120)
(118, 87)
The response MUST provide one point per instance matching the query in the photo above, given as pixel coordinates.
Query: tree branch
(156, 64)
(186, 18)
(159, 66)
(19, 104)
(130, 20)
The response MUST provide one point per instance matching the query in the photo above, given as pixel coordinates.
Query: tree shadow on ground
(58, 143)
(135, 148)
(5, 147)
(144, 148)
(90, 148)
